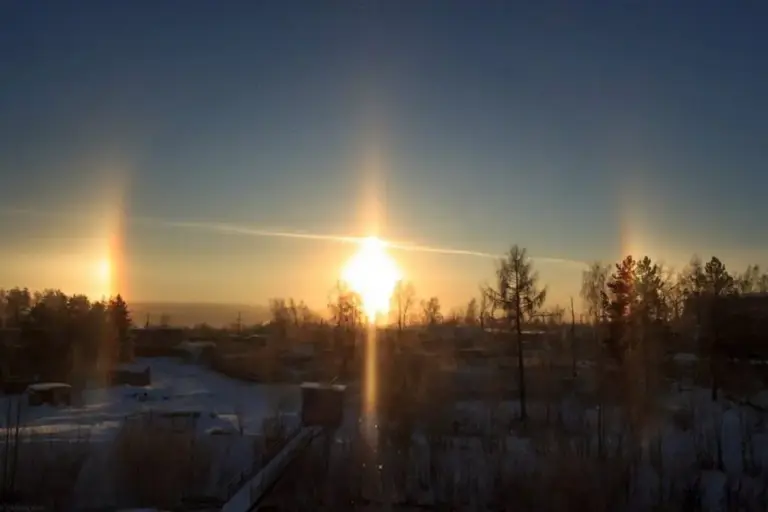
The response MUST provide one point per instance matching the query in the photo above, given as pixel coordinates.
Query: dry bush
(569, 483)
(158, 466)
(47, 471)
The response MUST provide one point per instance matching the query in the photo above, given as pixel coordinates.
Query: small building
(157, 341)
(198, 351)
(131, 375)
(159, 336)
(53, 393)
(322, 404)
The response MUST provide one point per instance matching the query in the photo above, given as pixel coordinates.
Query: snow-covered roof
(197, 344)
(318, 385)
(685, 358)
(132, 367)
(47, 386)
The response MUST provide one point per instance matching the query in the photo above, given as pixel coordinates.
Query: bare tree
(293, 310)
(346, 309)
(674, 294)
(518, 295)
(403, 298)
(306, 316)
(471, 314)
(751, 280)
(431, 311)
(593, 288)
(487, 308)
(281, 317)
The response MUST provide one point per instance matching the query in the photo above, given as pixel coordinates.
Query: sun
(373, 274)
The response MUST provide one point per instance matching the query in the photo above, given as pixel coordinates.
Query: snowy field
(105, 434)
(714, 451)
(690, 452)
(176, 386)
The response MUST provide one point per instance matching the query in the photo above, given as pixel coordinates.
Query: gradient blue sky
(579, 131)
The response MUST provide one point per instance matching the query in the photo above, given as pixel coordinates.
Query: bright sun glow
(104, 276)
(104, 270)
(372, 273)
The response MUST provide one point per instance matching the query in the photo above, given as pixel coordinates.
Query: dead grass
(46, 472)
(158, 466)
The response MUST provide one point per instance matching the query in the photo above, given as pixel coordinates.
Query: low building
(157, 341)
(52, 393)
(131, 375)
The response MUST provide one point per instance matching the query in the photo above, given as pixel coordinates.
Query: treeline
(51, 335)
(637, 306)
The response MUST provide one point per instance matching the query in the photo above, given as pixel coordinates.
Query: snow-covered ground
(176, 386)
(715, 446)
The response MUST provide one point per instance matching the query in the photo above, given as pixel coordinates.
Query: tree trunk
(714, 344)
(573, 340)
(646, 357)
(520, 363)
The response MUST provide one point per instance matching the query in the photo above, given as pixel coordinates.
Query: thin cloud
(248, 231)
(440, 250)
(237, 229)
(479, 254)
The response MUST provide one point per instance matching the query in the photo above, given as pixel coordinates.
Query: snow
(175, 385)
(319, 385)
(712, 446)
(132, 367)
(718, 454)
(48, 386)
(685, 358)
(242, 500)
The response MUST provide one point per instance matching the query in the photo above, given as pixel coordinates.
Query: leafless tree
(431, 311)
(593, 288)
(487, 308)
(403, 299)
(471, 314)
(517, 294)
(346, 309)
(752, 280)
(281, 317)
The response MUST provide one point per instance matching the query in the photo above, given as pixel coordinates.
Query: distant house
(131, 375)
(157, 341)
(198, 351)
(53, 393)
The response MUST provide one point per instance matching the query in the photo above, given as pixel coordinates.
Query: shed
(131, 375)
(53, 393)
(322, 404)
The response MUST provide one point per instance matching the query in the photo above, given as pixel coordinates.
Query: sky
(164, 149)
